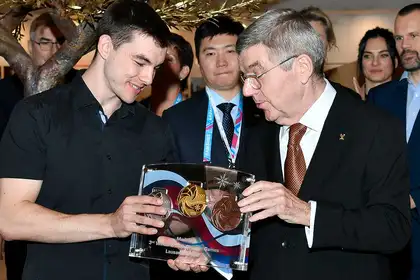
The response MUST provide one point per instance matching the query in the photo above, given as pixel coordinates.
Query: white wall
(350, 27)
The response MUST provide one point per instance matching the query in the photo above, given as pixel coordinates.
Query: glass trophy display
(203, 223)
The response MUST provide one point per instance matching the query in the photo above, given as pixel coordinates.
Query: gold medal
(192, 200)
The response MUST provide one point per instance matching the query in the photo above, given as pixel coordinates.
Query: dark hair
(185, 54)
(217, 25)
(409, 9)
(377, 33)
(124, 17)
(44, 20)
(312, 13)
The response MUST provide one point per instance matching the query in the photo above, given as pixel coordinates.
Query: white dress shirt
(314, 120)
(218, 99)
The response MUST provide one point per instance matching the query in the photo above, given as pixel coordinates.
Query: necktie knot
(226, 108)
(296, 133)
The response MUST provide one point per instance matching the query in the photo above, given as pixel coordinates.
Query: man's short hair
(409, 9)
(124, 17)
(44, 20)
(218, 25)
(286, 33)
(312, 13)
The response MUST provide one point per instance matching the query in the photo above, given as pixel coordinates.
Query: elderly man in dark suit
(338, 198)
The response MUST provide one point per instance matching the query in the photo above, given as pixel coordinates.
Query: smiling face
(218, 62)
(376, 61)
(132, 66)
(407, 37)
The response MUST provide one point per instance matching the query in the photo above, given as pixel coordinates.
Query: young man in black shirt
(71, 158)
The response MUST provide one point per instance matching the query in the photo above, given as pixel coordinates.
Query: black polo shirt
(11, 91)
(86, 167)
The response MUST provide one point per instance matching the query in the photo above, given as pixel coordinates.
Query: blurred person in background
(324, 27)
(171, 80)
(377, 59)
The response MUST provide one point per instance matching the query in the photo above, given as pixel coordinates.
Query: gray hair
(285, 33)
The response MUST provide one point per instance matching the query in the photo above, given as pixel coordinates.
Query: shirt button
(108, 157)
(109, 191)
(285, 244)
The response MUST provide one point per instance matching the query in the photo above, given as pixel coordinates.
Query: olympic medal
(226, 215)
(192, 201)
(166, 204)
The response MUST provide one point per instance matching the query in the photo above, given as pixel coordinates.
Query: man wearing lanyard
(213, 126)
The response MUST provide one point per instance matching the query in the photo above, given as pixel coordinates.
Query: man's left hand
(269, 199)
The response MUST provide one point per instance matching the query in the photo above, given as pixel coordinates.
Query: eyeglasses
(47, 45)
(254, 79)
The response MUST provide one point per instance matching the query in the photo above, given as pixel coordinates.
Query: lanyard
(211, 116)
(178, 98)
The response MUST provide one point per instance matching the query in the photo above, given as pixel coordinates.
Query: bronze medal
(192, 201)
(226, 215)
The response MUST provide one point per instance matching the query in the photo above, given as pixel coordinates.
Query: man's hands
(267, 199)
(130, 218)
(190, 257)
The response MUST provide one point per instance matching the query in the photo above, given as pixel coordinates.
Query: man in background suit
(402, 99)
(343, 202)
(215, 42)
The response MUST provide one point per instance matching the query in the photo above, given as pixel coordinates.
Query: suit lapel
(250, 117)
(198, 129)
(335, 136)
(198, 126)
(273, 163)
(219, 154)
(401, 100)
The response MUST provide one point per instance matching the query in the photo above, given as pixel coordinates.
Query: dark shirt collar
(83, 97)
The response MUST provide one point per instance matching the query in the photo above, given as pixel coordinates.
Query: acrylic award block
(203, 224)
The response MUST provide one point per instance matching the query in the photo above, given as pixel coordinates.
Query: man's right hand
(130, 218)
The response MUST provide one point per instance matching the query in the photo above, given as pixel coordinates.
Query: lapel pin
(342, 135)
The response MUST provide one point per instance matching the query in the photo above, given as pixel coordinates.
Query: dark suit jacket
(187, 121)
(392, 97)
(361, 188)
